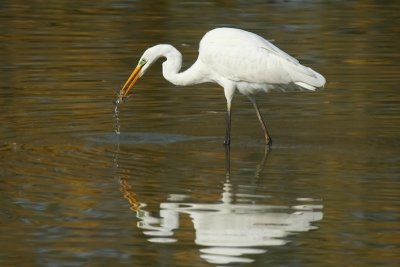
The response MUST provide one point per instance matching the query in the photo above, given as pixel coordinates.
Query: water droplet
(116, 115)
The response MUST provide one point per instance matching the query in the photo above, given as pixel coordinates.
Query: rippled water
(164, 191)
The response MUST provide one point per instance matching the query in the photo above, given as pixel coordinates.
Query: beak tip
(131, 81)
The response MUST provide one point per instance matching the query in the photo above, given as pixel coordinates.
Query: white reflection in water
(227, 230)
(231, 230)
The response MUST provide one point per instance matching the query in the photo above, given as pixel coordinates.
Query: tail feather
(308, 79)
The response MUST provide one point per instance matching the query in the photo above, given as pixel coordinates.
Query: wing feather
(246, 57)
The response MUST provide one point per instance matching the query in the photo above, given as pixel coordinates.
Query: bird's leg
(268, 139)
(229, 91)
(227, 141)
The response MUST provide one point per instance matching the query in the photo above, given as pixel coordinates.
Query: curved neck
(173, 64)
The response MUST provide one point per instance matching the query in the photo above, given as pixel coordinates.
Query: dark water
(164, 192)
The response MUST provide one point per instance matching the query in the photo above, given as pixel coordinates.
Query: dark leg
(227, 141)
(227, 162)
(268, 139)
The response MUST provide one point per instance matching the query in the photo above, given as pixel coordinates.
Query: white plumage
(238, 61)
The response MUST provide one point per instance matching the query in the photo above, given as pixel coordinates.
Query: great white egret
(237, 60)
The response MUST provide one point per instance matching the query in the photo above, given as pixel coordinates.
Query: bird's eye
(142, 62)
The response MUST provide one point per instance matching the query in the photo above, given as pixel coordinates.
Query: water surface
(165, 192)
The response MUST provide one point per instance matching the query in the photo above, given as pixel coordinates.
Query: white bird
(237, 60)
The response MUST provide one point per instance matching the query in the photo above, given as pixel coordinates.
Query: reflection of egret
(232, 228)
(235, 226)
(259, 167)
(238, 61)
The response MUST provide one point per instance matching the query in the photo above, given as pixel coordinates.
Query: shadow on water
(229, 229)
(142, 138)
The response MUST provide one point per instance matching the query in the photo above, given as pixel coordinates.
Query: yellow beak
(131, 80)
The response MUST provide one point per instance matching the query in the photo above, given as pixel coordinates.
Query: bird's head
(147, 59)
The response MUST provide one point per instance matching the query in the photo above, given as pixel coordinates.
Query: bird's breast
(247, 88)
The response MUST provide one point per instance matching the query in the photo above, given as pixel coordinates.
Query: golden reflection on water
(129, 195)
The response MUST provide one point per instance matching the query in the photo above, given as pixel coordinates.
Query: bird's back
(245, 57)
(233, 37)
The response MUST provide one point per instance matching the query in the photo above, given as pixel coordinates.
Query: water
(148, 182)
